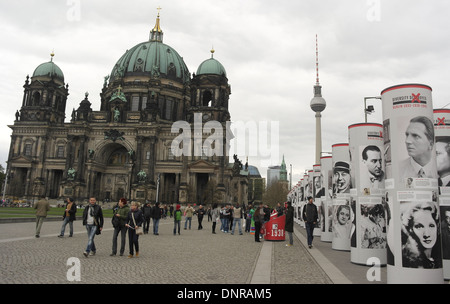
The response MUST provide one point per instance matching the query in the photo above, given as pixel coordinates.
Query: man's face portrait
(416, 141)
(442, 158)
(374, 163)
(342, 180)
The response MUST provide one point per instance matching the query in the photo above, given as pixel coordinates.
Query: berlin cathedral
(124, 149)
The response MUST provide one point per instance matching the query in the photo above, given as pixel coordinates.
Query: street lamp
(369, 109)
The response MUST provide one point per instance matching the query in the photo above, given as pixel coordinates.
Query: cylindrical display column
(342, 214)
(442, 135)
(368, 239)
(414, 253)
(318, 191)
(326, 166)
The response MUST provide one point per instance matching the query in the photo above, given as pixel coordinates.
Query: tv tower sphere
(318, 103)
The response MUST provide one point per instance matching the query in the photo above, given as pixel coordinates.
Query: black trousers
(257, 230)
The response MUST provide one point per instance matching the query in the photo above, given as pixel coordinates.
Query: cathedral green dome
(152, 58)
(211, 66)
(49, 69)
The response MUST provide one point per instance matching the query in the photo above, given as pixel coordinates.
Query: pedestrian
(156, 216)
(177, 219)
(93, 220)
(237, 216)
(231, 217)
(289, 225)
(258, 217)
(134, 221)
(68, 217)
(209, 213)
(120, 217)
(215, 217)
(280, 210)
(189, 212)
(252, 219)
(310, 217)
(248, 218)
(147, 211)
(171, 210)
(226, 219)
(42, 207)
(200, 214)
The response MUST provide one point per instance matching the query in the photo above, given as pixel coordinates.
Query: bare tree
(276, 193)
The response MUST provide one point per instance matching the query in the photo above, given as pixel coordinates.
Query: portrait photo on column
(445, 229)
(418, 156)
(371, 169)
(341, 178)
(443, 160)
(420, 234)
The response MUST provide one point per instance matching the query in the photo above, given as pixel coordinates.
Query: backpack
(178, 215)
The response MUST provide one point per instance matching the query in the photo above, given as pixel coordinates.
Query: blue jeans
(175, 225)
(91, 229)
(190, 221)
(226, 225)
(309, 232)
(65, 222)
(155, 225)
(238, 221)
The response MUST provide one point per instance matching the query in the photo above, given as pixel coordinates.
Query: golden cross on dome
(158, 8)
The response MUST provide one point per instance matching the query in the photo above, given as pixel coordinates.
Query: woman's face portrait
(425, 228)
(343, 215)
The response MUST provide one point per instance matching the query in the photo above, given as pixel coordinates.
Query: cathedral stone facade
(125, 148)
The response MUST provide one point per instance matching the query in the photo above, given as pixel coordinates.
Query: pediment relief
(201, 165)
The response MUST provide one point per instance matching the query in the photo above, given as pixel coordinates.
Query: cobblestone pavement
(194, 257)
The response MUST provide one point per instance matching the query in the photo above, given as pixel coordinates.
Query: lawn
(9, 212)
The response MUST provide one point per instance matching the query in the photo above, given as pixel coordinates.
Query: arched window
(207, 99)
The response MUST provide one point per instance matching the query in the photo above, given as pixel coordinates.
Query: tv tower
(318, 104)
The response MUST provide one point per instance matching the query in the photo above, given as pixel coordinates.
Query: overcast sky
(267, 48)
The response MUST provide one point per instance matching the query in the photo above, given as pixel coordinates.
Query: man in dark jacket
(156, 215)
(289, 225)
(147, 212)
(93, 220)
(310, 217)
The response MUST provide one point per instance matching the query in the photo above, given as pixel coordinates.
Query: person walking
(189, 212)
(120, 217)
(156, 216)
(134, 220)
(258, 217)
(226, 218)
(200, 214)
(93, 220)
(215, 217)
(248, 217)
(42, 207)
(237, 216)
(177, 219)
(310, 216)
(147, 212)
(289, 225)
(68, 217)
(209, 213)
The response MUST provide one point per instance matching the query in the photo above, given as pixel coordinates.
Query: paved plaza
(194, 257)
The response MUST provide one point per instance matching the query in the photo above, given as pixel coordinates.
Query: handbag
(136, 228)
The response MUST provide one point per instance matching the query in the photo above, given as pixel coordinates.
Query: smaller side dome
(211, 66)
(49, 69)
